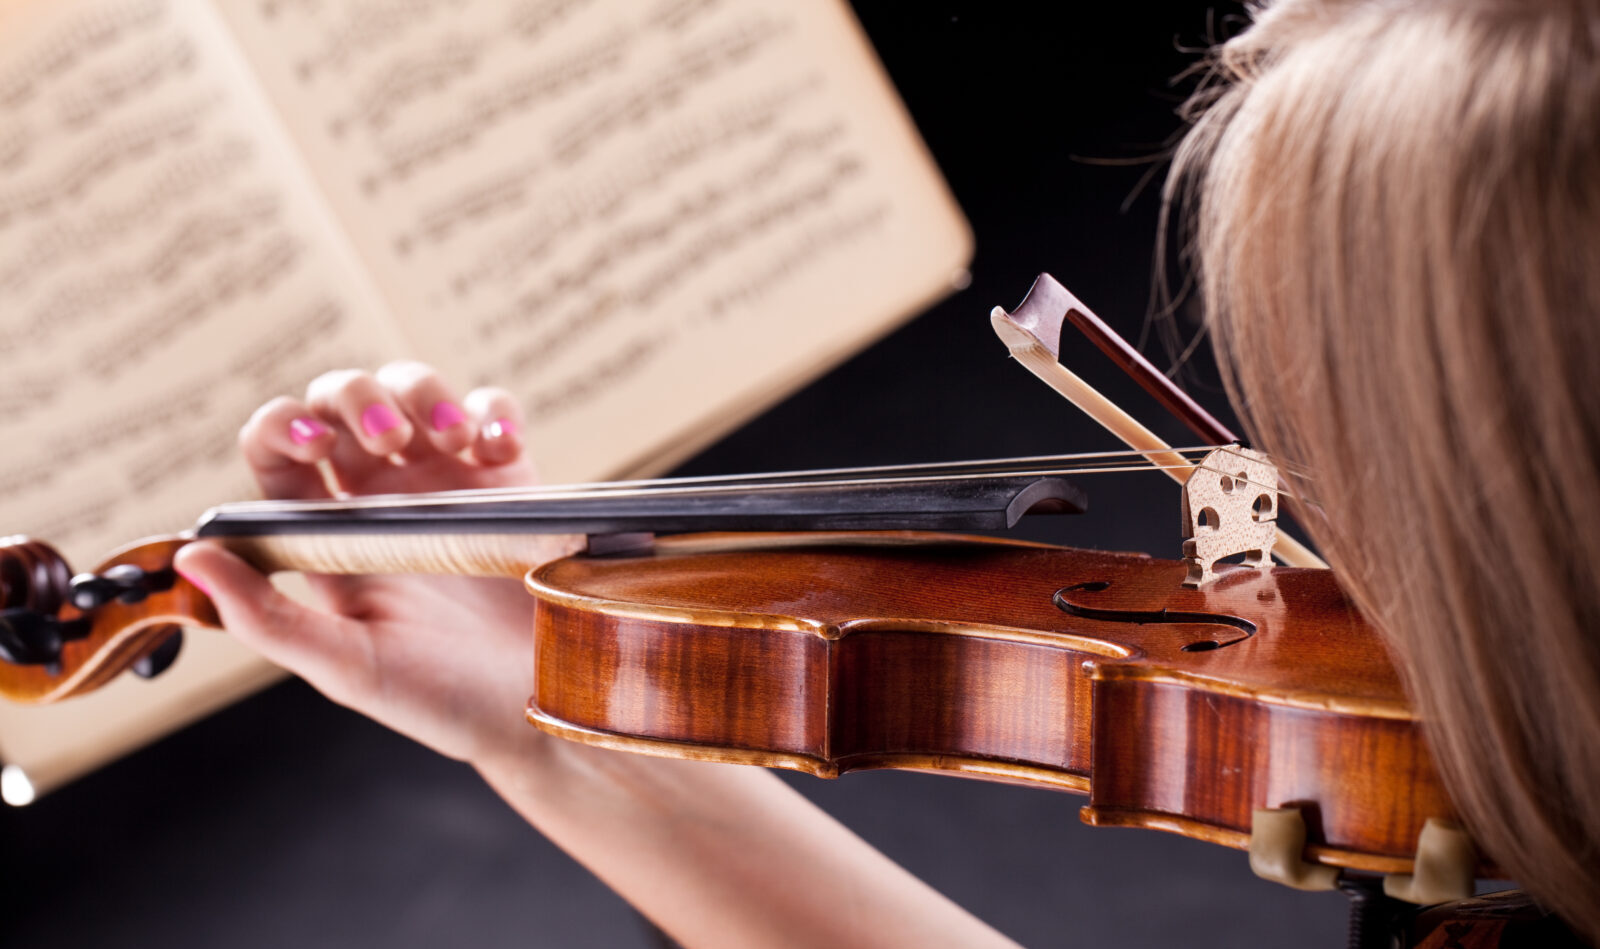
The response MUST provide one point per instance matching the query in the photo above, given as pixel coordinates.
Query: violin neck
(468, 555)
(989, 502)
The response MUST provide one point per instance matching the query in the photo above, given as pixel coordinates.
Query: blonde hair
(1396, 220)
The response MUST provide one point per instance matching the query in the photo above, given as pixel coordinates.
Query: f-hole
(1235, 625)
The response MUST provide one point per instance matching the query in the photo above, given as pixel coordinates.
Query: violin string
(913, 474)
(972, 466)
(979, 466)
(658, 485)
(1043, 464)
(1292, 487)
(468, 498)
(1297, 472)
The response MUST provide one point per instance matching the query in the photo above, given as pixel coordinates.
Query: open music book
(649, 218)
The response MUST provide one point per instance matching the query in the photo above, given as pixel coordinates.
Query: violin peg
(1444, 868)
(124, 582)
(161, 658)
(1277, 850)
(29, 638)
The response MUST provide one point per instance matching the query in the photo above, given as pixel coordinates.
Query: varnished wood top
(1310, 647)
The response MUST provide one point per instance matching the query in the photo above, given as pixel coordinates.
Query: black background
(287, 821)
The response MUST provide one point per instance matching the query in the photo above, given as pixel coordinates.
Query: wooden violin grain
(832, 653)
(471, 555)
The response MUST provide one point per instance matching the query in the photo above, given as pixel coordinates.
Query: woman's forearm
(716, 855)
(726, 855)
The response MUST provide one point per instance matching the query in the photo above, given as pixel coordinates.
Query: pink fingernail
(446, 414)
(500, 428)
(194, 582)
(377, 419)
(306, 430)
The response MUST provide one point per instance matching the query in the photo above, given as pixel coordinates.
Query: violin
(839, 620)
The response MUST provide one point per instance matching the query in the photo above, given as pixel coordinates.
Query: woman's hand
(711, 852)
(447, 661)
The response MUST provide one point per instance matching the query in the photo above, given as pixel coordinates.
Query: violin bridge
(1230, 507)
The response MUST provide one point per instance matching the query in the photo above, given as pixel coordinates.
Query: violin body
(1173, 708)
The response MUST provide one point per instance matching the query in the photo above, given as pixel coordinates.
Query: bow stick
(1033, 335)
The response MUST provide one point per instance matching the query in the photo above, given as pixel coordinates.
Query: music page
(164, 268)
(648, 219)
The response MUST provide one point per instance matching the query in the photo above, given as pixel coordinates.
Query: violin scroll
(61, 635)
(32, 575)
(34, 583)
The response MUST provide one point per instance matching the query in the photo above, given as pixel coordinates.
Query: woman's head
(1396, 219)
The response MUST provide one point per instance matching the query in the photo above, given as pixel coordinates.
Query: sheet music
(164, 268)
(651, 218)
(615, 208)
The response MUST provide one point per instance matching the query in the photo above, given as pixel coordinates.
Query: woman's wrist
(710, 852)
(516, 759)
